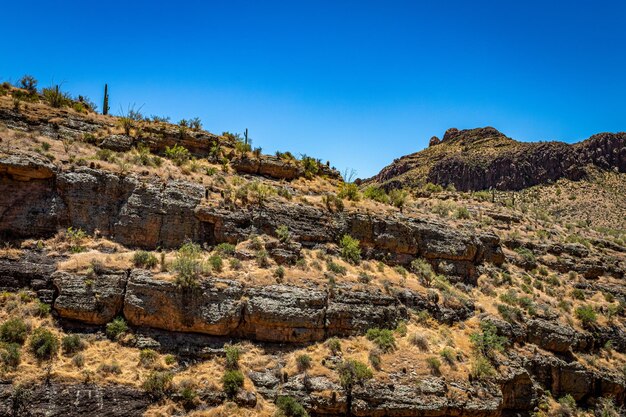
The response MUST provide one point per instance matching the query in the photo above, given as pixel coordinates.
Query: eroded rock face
(215, 307)
(151, 213)
(72, 400)
(93, 300)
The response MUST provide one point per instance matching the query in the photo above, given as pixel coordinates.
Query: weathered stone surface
(214, 307)
(117, 143)
(93, 300)
(73, 400)
(551, 336)
(285, 313)
(23, 167)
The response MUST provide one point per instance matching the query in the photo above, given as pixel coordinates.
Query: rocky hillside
(156, 269)
(484, 158)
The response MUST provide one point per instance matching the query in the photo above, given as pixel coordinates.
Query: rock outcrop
(150, 213)
(483, 158)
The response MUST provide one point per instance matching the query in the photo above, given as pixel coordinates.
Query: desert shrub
(420, 341)
(10, 354)
(289, 407)
(232, 381)
(383, 338)
(14, 330)
(349, 191)
(144, 259)
(110, 368)
(487, 340)
(353, 372)
(481, 368)
(303, 362)
(78, 360)
(72, 343)
(148, 357)
(55, 97)
(157, 383)
(261, 192)
(106, 155)
(232, 357)
(116, 328)
(195, 123)
(29, 83)
(434, 364)
(350, 250)
(578, 294)
(334, 345)
(262, 258)
(188, 265)
(432, 188)
(43, 343)
(225, 249)
(606, 407)
(279, 272)
(235, 264)
(586, 314)
(423, 270)
(169, 359)
(375, 193)
(462, 213)
(448, 355)
(510, 314)
(310, 166)
(178, 154)
(75, 238)
(336, 268)
(526, 254)
(332, 202)
(216, 263)
(397, 198)
(282, 233)
(375, 358)
(401, 328)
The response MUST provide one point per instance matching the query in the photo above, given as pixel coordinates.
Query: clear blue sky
(356, 82)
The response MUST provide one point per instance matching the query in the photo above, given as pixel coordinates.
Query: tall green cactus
(105, 105)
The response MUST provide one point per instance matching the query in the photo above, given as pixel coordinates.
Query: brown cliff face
(149, 213)
(478, 159)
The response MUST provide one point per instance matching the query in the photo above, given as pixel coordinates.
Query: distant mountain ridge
(483, 158)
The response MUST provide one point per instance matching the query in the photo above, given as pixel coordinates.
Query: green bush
(383, 338)
(462, 213)
(216, 263)
(334, 345)
(232, 357)
(178, 154)
(332, 202)
(148, 357)
(349, 191)
(487, 340)
(481, 368)
(336, 268)
(526, 254)
(225, 249)
(448, 355)
(55, 97)
(375, 359)
(262, 258)
(279, 273)
(116, 328)
(397, 198)
(290, 407)
(10, 354)
(76, 237)
(578, 294)
(587, 315)
(350, 250)
(72, 343)
(303, 362)
(188, 265)
(282, 233)
(157, 383)
(13, 331)
(110, 368)
(375, 193)
(310, 166)
(352, 372)
(143, 259)
(434, 364)
(43, 343)
(232, 381)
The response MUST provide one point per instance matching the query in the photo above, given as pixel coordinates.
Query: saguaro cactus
(105, 105)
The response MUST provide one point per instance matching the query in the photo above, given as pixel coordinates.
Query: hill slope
(484, 158)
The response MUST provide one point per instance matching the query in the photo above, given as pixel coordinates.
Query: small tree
(232, 381)
(44, 344)
(352, 372)
(29, 83)
(350, 250)
(188, 265)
